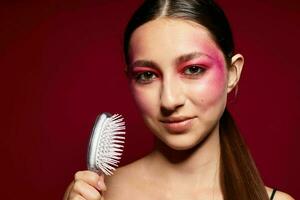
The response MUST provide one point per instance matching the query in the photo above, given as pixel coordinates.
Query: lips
(178, 124)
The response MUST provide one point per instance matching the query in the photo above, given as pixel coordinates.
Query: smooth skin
(180, 81)
(87, 185)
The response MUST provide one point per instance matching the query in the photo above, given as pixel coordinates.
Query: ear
(234, 71)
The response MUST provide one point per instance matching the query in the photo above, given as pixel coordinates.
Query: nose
(172, 96)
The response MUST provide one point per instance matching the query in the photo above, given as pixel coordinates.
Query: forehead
(172, 37)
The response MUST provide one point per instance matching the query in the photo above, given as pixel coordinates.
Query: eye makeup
(193, 71)
(191, 65)
(195, 68)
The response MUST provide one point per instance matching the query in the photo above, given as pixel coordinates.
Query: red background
(61, 64)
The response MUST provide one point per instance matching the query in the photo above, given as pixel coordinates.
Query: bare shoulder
(125, 183)
(279, 195)
(282, 196)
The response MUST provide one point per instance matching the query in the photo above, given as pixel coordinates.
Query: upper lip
(175, 119)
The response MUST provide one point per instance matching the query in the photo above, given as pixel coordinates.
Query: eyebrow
(143, 63)
(189, 56)
(178, 60)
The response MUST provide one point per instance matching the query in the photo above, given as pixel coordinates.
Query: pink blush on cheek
(217, 86)
(211, 87)
(210, 92)
(217, 77)
(218, 82)
(217, 70)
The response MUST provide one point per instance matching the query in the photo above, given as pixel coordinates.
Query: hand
(87, 185)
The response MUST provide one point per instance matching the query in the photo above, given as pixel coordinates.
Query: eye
(145, 77)
(193, 70)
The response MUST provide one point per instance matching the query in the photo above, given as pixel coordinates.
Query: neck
(198, 166)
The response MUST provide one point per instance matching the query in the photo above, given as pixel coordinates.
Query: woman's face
(178, 78)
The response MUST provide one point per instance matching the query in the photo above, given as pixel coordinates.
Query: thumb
(101, 184)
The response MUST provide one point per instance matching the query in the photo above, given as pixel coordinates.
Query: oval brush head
(106, 143)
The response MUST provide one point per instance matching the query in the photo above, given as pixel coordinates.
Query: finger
(68, 190)
(86, 190)
(101, 182)
(92, 178)
(76, 197)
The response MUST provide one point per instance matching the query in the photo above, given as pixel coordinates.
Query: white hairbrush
(106, 143)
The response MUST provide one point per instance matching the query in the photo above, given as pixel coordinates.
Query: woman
(181, 66)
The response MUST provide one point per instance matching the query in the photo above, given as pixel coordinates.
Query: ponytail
(240, 180)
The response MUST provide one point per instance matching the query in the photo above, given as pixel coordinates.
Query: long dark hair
(240, 179)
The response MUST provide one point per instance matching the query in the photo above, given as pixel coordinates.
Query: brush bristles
(110, 145)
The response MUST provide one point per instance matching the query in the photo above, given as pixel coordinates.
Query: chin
(181, 147)
(182, 142)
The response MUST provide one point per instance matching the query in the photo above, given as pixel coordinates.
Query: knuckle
(77, 175)
(77, 197)
(93, 193)
(77, 185)
(73, 196)
(94, 178)
(96, 196)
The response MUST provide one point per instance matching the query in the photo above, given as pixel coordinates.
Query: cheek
(210, 90)
(218, 83)
(145, 99)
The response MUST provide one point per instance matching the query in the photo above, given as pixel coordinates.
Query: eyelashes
(145, 77)
(193, 70)
(148, 76)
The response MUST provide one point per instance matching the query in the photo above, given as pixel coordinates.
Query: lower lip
(178, 127)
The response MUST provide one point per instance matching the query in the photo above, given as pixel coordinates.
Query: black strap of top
(273, 194)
